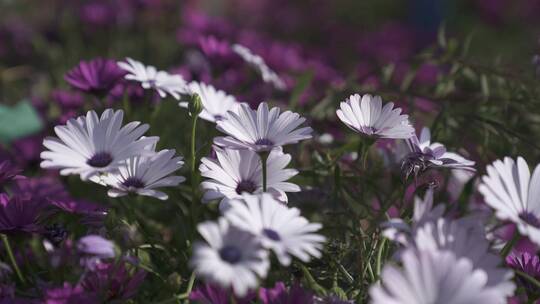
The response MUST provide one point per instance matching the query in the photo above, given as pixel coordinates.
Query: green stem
(264, 158)
(191, 282)
(509, 245)
(12, 258)
(312, 284)
(379, 258)
(528, 278)
(194, 201)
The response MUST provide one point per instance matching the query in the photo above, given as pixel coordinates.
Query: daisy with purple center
(231, 257)
(151, 78)
(514, 194)
(426, 154)
(90, 145)
(234, 172)
(143, 174)
(367, 116)
(280, 228)
(97, 76)
(262, 129)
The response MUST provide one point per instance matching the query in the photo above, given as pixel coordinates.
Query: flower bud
(195, 105)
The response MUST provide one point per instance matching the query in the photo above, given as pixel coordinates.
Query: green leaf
(18, 121)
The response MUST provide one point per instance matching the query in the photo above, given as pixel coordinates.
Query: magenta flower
(67, 294)
(528, 263)
(97, 76)
(19, 214)
(8, 172)
(114, 281)
(212, 294)
(279, 294)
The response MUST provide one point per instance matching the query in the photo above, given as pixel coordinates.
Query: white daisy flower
(509, 189)
(143, 174)
(231, 257)
(216, 103)
(267, 74)
(466, 238)
(428, 277)
(261, 129)
(280, 228)
(234, 172)
(398, 230)
(426, 154)
(150, 78)
(90, 145)
(366, 115)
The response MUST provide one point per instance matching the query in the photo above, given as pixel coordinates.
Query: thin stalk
(379, 258)
(193, 163)
(509, 245)
(264, 158)
(191, 282)
(528, 278)
(312, 284)
(12, 258)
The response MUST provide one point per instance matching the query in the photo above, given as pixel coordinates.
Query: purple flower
(134, 92)
(212, 294)
(279, 294)
(97, 76)
(93, 249)
(8, 172)
(68, 99)
(19, 214)
(92, 214)
(113, 281)
(69, 294)
(528, 263)
(97, 13)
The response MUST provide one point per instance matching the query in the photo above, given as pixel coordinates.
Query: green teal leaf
(18, 121)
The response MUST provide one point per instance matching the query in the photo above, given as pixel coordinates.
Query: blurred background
(424, 54)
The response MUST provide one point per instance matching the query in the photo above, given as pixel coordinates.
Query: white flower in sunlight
(230, 257)
(143, 174)
(267, 74)
(261, 129)
(234, 172)
(426, 154)
(90, 145)
(367, 116)
(150, 78)
(280, 228)
(434, 276)
(510, 190)
(216, 103)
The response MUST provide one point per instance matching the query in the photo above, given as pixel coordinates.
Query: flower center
(246, 186)
(530, 218)
(230, 254)
(271, 234)
(264, 142)
(100, 160)
(133, 182)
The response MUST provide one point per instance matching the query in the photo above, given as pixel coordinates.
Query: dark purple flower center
(271, 234)
(530, 218)
(246, 186)
(264, 142)
(230, 254)
(133, 182)
(100, 160)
